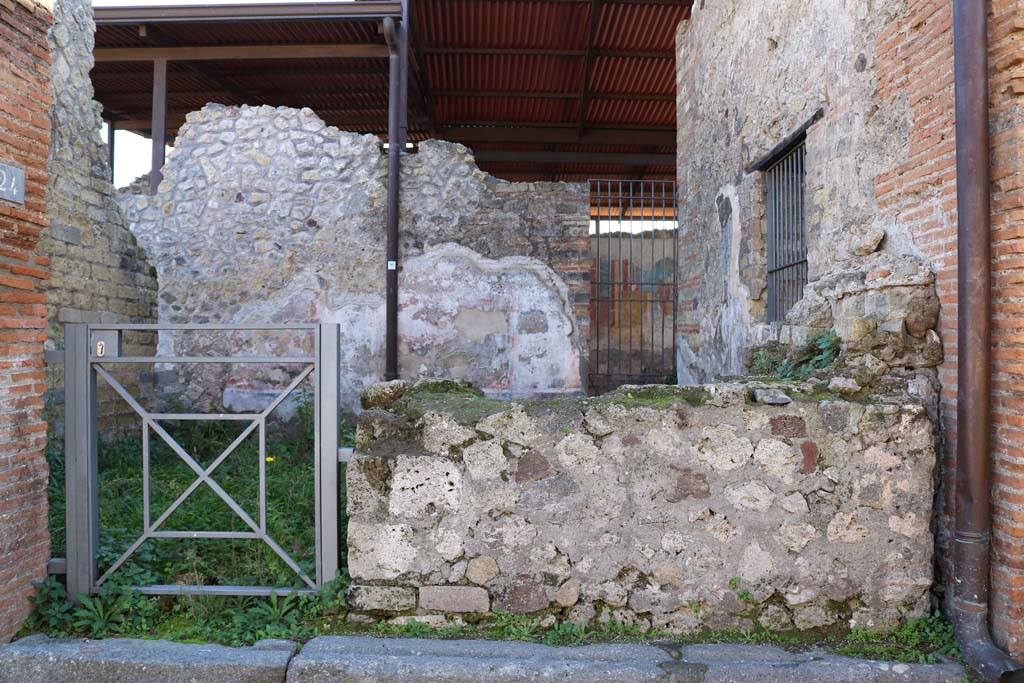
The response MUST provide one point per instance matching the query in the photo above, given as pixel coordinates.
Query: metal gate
(90, 351)
(633, 233)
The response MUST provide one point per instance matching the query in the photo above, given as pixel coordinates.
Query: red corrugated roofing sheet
(512, 47)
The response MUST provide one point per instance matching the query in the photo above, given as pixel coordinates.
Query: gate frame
(82, 450)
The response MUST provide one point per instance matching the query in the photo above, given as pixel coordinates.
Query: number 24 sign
(12, 184)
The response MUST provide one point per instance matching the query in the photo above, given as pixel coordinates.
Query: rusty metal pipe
(394, 178)
(971, 543)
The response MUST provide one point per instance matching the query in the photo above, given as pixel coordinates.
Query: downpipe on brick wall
(973, 525)
(393, 35)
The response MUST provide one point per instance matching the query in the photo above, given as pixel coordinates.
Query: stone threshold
(328, 659)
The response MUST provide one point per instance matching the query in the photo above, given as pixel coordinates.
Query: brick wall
(915, 65)
(1006, 54)
(24, 140)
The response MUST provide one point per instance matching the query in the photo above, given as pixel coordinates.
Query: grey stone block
(756, 664)
(382, 598)
(40, 659)
(66, 233)
(772, 397)
(329, 659)
(455, 599)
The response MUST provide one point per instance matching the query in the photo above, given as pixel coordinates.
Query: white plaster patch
(908, 525)
(846, 528)
(578, 454)
(796, 536)
(795, 503)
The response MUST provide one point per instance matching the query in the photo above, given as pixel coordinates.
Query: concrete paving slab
(40, 659)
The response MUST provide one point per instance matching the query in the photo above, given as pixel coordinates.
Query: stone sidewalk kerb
(329, 659)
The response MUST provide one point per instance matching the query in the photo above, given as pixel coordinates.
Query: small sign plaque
(12, 183)
(106, 344)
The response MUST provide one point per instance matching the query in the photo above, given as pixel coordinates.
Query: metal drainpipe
(971, 544)
(394, 178)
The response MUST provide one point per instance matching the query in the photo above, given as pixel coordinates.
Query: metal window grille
(633, 235)
(787, 232)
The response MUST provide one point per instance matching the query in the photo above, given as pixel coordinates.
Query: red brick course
(914, 60)
(24, 142)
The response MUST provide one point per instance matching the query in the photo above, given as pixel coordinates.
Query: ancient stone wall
(881, 165)
(750, 74)
(679, 508)
(268, 215)
(99, 273)
(24, 269)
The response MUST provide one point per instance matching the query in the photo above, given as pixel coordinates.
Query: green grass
(290, 504)
(290, 518)
(919, 641)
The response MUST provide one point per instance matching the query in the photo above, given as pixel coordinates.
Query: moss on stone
(655, 396)
(426, 388)
(815, 396)
(465, 409)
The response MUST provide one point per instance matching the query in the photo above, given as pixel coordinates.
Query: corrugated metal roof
(508, 72)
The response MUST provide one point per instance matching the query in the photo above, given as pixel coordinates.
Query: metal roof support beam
(175, 119)
(602, 158)
(362, 10)
(559, 135)
(638, 97)
(155, 38)
(588, 65)
(158, 124)
(402, 33)
(421, 72)
(228, 52)
(547, 52)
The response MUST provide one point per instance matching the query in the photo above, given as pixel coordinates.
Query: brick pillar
(24, 143)
(1006, 43)
(914, 58)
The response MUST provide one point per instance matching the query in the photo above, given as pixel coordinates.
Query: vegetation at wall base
(817, 353)
(120, 612)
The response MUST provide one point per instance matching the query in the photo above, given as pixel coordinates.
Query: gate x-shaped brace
(151, 530)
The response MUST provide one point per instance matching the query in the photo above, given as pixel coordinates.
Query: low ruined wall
(678, 508)
(269, 215)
